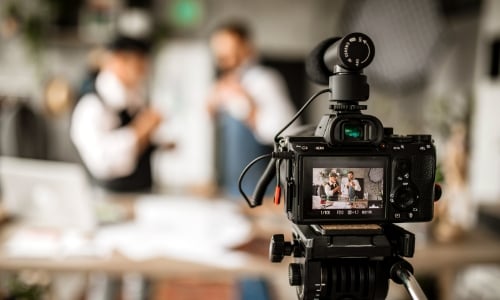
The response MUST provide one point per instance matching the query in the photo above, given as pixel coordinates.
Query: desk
(441, 260)
(256, 264)
(477, 247)
(154, 268)
(445, 260)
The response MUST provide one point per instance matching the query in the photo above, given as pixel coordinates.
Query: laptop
(47, 193)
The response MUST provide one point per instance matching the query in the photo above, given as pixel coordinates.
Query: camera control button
(397, 216)
(404, 197)
(410, 215)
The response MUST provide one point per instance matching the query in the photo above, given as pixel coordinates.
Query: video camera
(345, 183)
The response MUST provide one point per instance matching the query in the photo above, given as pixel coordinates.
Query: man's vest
(141, 178)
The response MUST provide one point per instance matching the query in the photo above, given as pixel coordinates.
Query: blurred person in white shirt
(350, 186)
(111, 126)
(249, 101)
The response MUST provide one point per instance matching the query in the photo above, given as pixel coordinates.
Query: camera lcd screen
(344, 188)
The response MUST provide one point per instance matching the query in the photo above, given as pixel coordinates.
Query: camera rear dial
(404, 197)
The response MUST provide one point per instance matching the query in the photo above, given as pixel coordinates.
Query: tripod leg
(402, 273)
(411, 285)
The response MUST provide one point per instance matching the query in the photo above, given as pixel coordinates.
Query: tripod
(347, 261)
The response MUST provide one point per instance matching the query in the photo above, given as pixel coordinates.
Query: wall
(24, 74)
(281, 27)
(485, 160)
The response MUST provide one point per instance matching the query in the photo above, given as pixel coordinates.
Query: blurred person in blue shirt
(250, 103)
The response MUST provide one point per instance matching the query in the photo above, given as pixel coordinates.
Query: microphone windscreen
(316, 69)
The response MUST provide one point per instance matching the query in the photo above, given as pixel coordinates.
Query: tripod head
(347, 262)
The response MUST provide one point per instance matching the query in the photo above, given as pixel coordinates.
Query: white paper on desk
(33, 242)
(183, 228)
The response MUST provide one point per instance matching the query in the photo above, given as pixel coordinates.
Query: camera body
(391, 181)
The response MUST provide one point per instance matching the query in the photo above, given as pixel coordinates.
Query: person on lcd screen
(332, 187)
(350, 186)
(249, 102)
(112, 127)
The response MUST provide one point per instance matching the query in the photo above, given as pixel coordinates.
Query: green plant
(21, 291)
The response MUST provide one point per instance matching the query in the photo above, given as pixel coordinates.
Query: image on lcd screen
(347, 189)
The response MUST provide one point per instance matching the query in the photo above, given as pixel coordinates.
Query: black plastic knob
(354, 51)
(278, 248)
(438, 191)
(294, 274)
